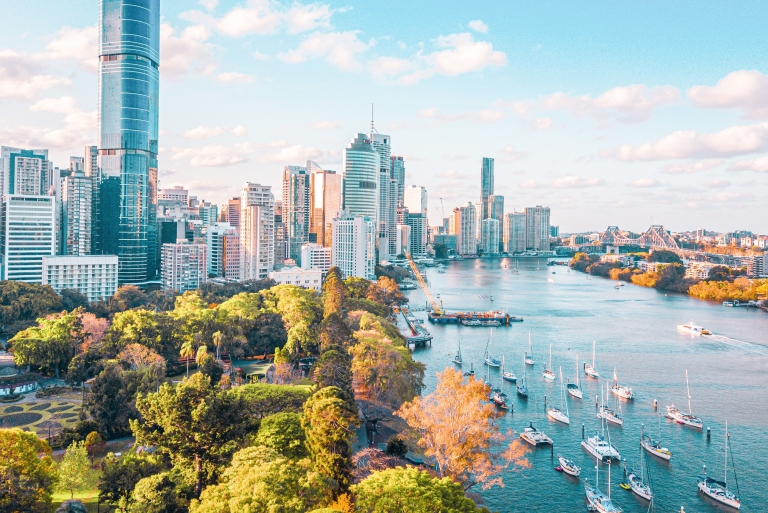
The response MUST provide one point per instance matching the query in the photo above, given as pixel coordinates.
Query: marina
(635, 331)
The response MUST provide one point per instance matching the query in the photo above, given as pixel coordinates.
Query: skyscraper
(257, 231)
(467, 230)
(486, 186)
(490, 237)
(324, 203)
(296, 195)
(537, 228)
(514, 232)
(129, 57)
(415, 199)
(27, 234)
(398, 175)
(361, 178)
(25, 171)
(75, 214)
(496, 211)
(383, 146)
(354, 246)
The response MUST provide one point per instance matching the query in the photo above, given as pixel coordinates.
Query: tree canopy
(27, 472)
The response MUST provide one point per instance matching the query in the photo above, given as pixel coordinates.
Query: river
(635, 332)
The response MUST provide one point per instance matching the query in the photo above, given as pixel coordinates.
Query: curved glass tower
(129, 59)
(361, 178)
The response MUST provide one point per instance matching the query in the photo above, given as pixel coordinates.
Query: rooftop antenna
(372, 127)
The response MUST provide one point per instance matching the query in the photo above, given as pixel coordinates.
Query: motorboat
(507, 375)
(500, 400)
(599, 448)
(535, 437)
(652, 446)
(718, 490)
(568, 466)
(690, 329)
(529, 353)
(687, 419)
(591, 369)
(557, 414)
(574, 389)
(619, 390)
(548, 373)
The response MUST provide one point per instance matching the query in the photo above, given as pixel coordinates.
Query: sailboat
(591, 370)
(522, 388)
(573, 388)
(688, 419)
(489, 360)
(568, 466)
(638, 483)
(652, 446)
(457, 359)
(529, 353)
(557, 414)
(548, 372)
(718, 490)
(598, 447)
(471, 372)
(604, 412)
(599, 501)
(621, 391)
(507, 375)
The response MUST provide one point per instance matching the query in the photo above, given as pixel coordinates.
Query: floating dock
(420, 336)
(485, 319)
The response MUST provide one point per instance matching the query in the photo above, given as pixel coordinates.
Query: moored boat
(548, 373)
(599, 448)
(507, 375)
(574, 389)
(457, 359)
(687, 419)
(619, 390)
(529, 353)
(535, 437)
(500, 400)
(652, 446)
(489, 360)
(557, 414)
(597, 500)
(591, 369)
(718, 490)
(568, 466)
(522, 388)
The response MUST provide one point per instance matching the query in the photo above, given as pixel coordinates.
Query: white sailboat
(557, 414)
(522, 388)
(619, 390)
(687, 419)
(652, 446)
(599, 501)
(718, 490)
(529, 353)
(591, 369)
(637, 483)
(597, 445)
(507, 375)
(568, 466)
(574, 389)
(457, 359)
(489, 360)
(605, 412)
(548, 372)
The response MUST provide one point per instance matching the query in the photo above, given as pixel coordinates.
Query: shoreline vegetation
(724, 284)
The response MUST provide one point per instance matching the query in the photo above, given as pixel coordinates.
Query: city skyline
(661, 128)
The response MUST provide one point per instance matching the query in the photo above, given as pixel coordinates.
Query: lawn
(89, 496)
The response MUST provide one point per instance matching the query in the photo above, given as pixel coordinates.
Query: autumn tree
(95, 328)
(129, 297)
(386, 372)
(73, 469)
(458, 428)
(27, 472)
(329, 422)
(139, 357)
(334, 292)
(386, 292)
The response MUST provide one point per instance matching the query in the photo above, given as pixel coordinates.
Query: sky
(610, 113)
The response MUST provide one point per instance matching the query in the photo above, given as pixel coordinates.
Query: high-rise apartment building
(129, 59)
(257, 231)
(218, 249)
(315, 256)
(514, 232)
(184, 266)
(75, 214)
(486, 186)
(415, 199)
(324, 203)
(231, 212)
(467, 230)
(28, 224)
(354, 246)
(93, 276)
(398, 175)
(361, 178)
(537, 228)
(496, 211)
(490, 237)
(26, 172)
(387, 204)
(417, 234)
(296, 206)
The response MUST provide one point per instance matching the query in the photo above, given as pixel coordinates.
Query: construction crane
(437, 308)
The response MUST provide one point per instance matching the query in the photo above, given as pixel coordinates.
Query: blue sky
(608, 112)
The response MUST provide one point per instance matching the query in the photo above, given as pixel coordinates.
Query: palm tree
(186, 352)
(217, 339)
(201, 352)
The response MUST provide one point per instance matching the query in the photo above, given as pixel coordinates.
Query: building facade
(184, 266)
(296, 208)
(95, 276)
(354, 246)
(28, 234)
(415, 199)
(467, 230)
(324, 204)
(417, 234)
(257, 236)
(490, 238)
(514, 232)
(315, 256)
(496, 211)
(537, 228)
(361, 179)
(26, 172)
(397, 167)
(486, 186)
(75, 221)
(298, 276)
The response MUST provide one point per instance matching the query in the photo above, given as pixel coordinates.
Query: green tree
(329, 422)
(301, 310)
(334, 369)
(26, 301)
(94, 444)
(72, 299)
(334, 332)
(262, 399)
(259, 479)
(357, 288)
(665, 257)
(334, 292)
(120, 475)
(129, 297)
(27, 472)
(211, 368)
(412, 490)
(396, 447)
(110, 402)
(283, 433)
(134, 327)
(388, 373)
(441, 250)
(73, 469)
(158, 493)
(49, 345)
(194, 424)
(187, 351)
(268, 332)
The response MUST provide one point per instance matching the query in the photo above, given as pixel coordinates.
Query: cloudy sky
(609, 113)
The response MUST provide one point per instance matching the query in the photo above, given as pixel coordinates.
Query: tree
(71, 506)
(441, 250)
(457, 428)
(720, 273)
(139, 357)
(334, 292)
(357, 288)
(187, 351)
(95, 328)
(217, 340)
(21, 301)
(94, 444)
(664, 256)
(333, 332)
(387, 373)
(329, 422)
(301, 310)
(396, 447)
(194, 424)
(283, 433)
(268, 332)
(261, 399)
(211, 368)
(134, 327)
(157, 493)
(412, 490)
(27, 472)
(386, 292)
(72, 299)
(129, 297)
(47, 345)
(120, 475)
(109, 401)
(259, 479)
(334, 369)
(73, 469)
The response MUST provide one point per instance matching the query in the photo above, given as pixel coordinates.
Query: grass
(54, 412)
(89, 496)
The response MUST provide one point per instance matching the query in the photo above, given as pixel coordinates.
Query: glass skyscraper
(129, 59)
(361, 178)
(486, 187)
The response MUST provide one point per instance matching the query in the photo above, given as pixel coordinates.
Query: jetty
(419, 336)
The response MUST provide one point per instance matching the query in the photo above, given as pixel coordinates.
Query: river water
(635, 332)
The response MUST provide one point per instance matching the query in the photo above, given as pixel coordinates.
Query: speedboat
(557, 415)
(690, 329)
(684, 418)
(599, 448)
(609, 415)
(535, 437)
(598, 501)
(569, 467)
(637, 485)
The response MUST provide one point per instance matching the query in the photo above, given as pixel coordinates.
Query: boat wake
(749, 347)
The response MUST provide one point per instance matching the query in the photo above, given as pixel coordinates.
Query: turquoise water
(635, 333)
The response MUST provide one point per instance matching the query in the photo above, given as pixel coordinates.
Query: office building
(415, 199)
(27, 172)
(387, 217)
(91, 170)
(208, 213)
(554, 231)
(537, 228)
(184, 266)
(486, 187)
(94, 276)
(449, 241)
(514, 232)
(257, 231)
(28, 224)
(466, 236)
(398, 175)
(231, 213)
(402, 240)
(490, 238)
(129, 59)
(75, 214)
(354, 246)
(361, 179)
(417, 224)
(173, 202)
(298, 276)
(281, 236)
(324, 203)
(315, 256)
(479, 222)
(295, 215)
(496, 211)
(77, 164)
(221, 248)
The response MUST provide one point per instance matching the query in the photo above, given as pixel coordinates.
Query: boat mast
(688, 388)
(577, 371)
(725, 479)
(593, 355)
(550, 358)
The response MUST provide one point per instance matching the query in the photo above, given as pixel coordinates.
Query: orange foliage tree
(457, 427)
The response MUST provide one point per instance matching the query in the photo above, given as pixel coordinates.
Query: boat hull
(638, 488)
(623, 393)
(590, 371)
(716, 495)
(549, 375)
(511, 379)
(575, 392)
(601, 455)
(569, 467)
(650, 449)
(558, 416)
(530, 362)
(522, 392)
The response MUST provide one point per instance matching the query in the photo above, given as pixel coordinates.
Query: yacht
(591, 369)
(522, 389)
(652, 446)
(690, 329)
(568, 466)
(687, 419)
(500, 400)
(507, 375)
(718, 490)
(548, 372)
(598, 501)
(457, 359)
(529, 353)
(574, 389)
(599, 448)
(621, 391)
(605, 412)
(557, 414)
(637, 485)
(535, 437)
(489, 360)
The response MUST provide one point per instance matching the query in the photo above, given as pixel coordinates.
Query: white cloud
(257, 17)
(338, 48)
(716, 184)
(239, 131)
(295, 153)
(490, 116)
(260, 56)
(209, 4)
(627, 104)
(541, 124)
(185, 53)
(75, 119)
(209, 132)
(735, 140)
(214, 155)
(644, 182)
(389, 66)
(576, 182)
(511, 154)
(745, 90)
(529, 184)
(692, 167)
(303, 18)
(52, 139)
(324, 125)
(231, 77)
(21, 76)
(478, 26)
(484, 116)
(759, 165)
(80, 44)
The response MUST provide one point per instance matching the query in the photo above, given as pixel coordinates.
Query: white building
(75, 215)
(354, 246)
(315, 256)
(403, 239)
(466, 236)
(305, 278)
(417, 235)
(28, 234)
(698, 270)
(257, 231)
(27, 172)
(537, 228)
(361, 178)
(184, 266)
(218, 249)
(415, 199)
(514, 232)
(92, 275)
(490, 236)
